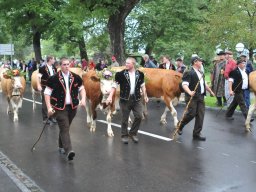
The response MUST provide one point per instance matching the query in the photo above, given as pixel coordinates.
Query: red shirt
(230, 66)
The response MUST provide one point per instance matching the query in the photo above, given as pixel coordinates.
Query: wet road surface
(226, 162)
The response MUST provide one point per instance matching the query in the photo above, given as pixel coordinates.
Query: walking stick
(183, 115)
(33, 147)
(229, 97)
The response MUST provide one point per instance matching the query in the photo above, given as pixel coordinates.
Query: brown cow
(34, 89)
(97, 91)
(13, 88)
(252, 108)
(165, 84)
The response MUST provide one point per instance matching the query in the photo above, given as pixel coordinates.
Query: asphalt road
(226, 162)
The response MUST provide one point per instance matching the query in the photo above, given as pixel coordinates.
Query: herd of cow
(160, 83)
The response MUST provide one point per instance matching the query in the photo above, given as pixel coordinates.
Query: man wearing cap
(238, 82)
(180, 65)
(114, 62)
(218, 79)
(230, 66)
(196, 109)
(248, 70)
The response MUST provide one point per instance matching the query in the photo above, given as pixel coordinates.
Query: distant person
(101, 65)
(44, 73)
(181, 67)
(230, 66)
(153, 60)
(84, 64)
(148, 62)
(167, 63)
(219, 80)
(91, 65)
(114, 62)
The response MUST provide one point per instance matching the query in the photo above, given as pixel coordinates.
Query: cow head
(106, 79)
(16, 85)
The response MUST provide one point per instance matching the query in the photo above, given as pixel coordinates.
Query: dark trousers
(44, 107)
(238, 100)
(126, 107)
(195, 110)
(64, 119)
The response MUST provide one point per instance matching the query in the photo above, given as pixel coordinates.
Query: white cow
(13, 88)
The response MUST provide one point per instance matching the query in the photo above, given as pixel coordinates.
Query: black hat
(196, 58)
(221, 53)
(179, 59)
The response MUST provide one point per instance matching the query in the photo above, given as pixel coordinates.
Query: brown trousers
(64, 119)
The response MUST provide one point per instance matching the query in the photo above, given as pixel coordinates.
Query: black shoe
(125, 139)
(61, 150)
(53, 120)
(134, 138)
(229, 118)
(46, 121)
(252, 119)
(180, 131)
(71, 155)
(199, 138)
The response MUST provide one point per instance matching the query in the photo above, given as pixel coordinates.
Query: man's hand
(231, 92)
(192, 93)
(50, 112)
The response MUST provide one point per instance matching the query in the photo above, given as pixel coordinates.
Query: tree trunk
(116, 27)
(37, 46)
(82, 49)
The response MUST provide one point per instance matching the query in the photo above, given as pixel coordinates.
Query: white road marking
(253, 162)
(200, 148)
(31, 101)
(225, 154)
(141, 132)
(23, 182)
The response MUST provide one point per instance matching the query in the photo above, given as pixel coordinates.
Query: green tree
(230, 22)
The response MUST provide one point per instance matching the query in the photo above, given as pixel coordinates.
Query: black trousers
(126, 107)
(238, 100)
(64, 119)
(195, 110)
(44, 107)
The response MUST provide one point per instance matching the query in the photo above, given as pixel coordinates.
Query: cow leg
(173, 111)
(174, 114)
(9, 107)
(163, 117)
(93, 117)
(251, 110)
(15, 111)
(109, 119)
(88, 112)
(34, 99)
